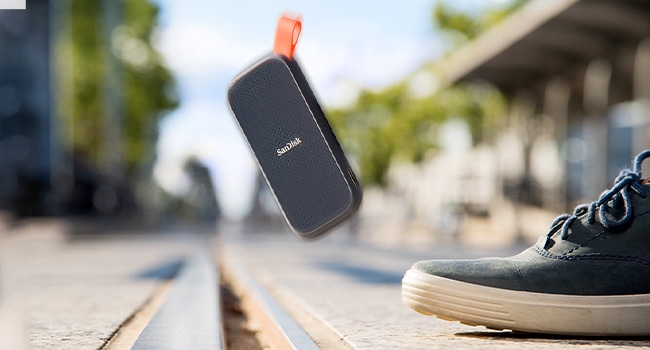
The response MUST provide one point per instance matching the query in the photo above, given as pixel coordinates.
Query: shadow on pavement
(364, 274)
(164, 272)
(640, 341)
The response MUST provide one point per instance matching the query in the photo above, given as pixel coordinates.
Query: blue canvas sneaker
(590, 275)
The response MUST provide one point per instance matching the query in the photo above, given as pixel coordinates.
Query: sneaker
(589, 276)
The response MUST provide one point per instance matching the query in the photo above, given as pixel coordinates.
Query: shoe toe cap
(491, 272)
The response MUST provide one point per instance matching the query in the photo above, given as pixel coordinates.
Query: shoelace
(619, 195)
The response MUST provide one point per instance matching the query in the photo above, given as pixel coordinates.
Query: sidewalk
(91, 292)
(150, 291)
(346, 294)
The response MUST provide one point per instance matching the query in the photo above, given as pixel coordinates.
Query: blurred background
(463, 118)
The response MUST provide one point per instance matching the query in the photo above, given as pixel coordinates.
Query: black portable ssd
(293, 143)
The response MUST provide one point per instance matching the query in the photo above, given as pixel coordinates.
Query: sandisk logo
(289, 146)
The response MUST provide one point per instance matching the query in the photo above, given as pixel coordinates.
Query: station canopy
(549, 38)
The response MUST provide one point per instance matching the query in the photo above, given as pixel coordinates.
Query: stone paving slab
(68, 293)
(354, 290)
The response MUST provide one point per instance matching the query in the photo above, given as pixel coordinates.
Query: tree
(147, 85)
(458, 27)
(396, 124)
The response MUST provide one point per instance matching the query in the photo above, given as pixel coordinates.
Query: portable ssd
(292, 141)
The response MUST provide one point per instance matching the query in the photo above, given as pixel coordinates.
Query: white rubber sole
(494, 308)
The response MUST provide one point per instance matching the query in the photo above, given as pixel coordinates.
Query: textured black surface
(308, 181)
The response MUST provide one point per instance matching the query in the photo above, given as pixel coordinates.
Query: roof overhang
(549, 38)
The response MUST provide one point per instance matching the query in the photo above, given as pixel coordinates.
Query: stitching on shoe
(596, 236)
(610, 257)
(584, 243)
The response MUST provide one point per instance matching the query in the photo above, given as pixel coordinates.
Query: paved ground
(354, 290)
(60, 292)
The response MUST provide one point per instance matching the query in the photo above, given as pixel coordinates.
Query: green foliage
(145, 82)
(393, 124)
(458, 27)
(452, 22)
(88, 70)
(493, 17)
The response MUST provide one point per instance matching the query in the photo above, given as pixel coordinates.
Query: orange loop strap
(286, 35)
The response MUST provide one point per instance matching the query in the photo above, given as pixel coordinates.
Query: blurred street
(64, 291)
(346, 293)
(149, 290)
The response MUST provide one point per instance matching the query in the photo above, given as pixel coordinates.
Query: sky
(344, 46)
